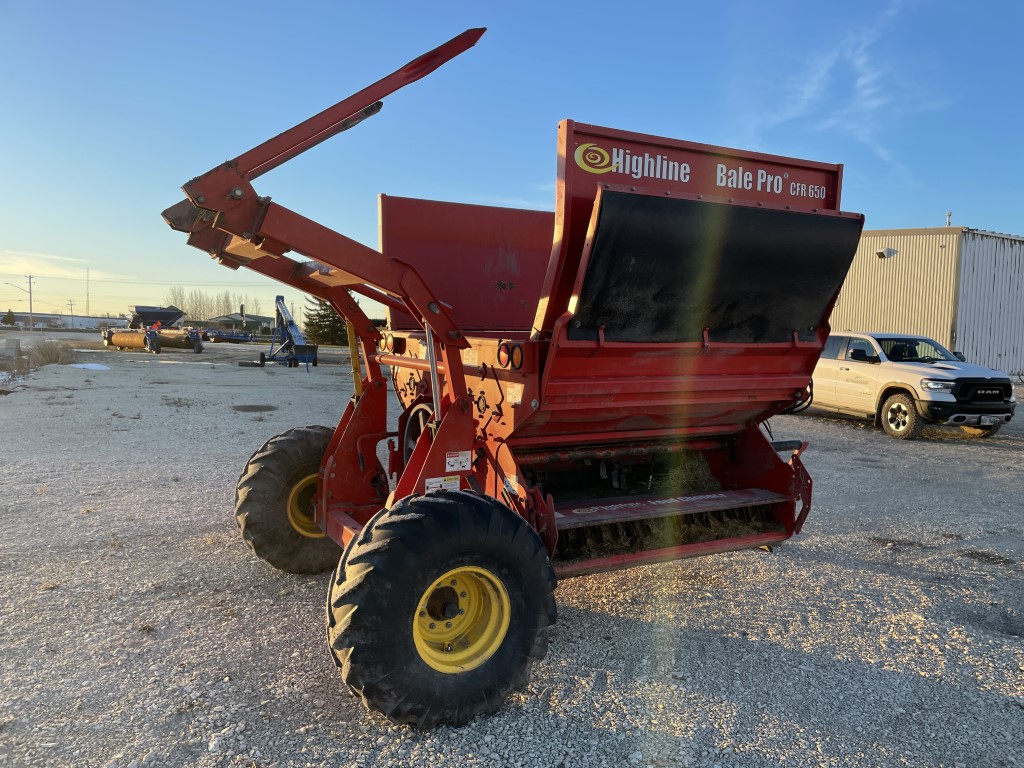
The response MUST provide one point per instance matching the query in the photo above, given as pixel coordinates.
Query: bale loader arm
(225, 217)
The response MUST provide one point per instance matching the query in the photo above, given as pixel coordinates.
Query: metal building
(962, 287)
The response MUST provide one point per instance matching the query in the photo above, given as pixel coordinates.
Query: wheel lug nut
(462, 594)
(454, 582)
(448, 625)
(423, 614)
(462, 612)
(433, 625)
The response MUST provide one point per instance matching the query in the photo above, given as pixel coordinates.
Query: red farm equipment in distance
(578, 391)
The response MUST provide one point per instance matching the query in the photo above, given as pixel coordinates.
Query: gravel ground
(137, 629)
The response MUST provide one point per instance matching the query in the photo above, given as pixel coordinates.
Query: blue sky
(106, 108)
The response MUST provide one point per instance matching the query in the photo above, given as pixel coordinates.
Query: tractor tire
(360, 539)
(981, 432)
(900, 418)
(272, 501)
(440, 608)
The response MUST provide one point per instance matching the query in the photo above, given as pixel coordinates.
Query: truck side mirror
(960, 356)
(862, 356)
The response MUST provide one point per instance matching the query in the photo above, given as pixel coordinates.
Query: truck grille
(982, 391)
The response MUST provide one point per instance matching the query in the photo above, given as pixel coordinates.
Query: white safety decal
(446, 483)
(458, 461)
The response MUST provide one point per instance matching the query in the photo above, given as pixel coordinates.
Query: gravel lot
(136, 629)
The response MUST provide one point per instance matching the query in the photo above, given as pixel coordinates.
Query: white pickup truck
(903, 382)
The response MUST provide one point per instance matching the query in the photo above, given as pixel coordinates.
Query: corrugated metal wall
(990, 324)
(915, 291)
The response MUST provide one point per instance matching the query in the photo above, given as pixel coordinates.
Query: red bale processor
(578, 391)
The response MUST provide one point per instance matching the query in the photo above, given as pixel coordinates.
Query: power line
(117, 281)
(31, 319)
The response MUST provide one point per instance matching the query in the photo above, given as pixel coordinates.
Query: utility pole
(71, 306)
(87, 291)
(31, 319)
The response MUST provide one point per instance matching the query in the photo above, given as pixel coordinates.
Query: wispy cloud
(799, 95)
(49, 265)
(849, 90)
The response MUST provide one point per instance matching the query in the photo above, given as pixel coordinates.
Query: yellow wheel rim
(461, 620)
(300, 508)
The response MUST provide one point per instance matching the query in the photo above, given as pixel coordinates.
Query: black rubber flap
(663, 269)
(142, 316)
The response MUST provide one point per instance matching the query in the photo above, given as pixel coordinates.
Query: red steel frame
(564, 395)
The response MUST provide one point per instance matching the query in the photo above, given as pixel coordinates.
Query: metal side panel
(662, 269)
(665, 554)
(578, 514)
(486, 262)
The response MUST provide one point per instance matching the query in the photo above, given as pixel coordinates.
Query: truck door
(827, 369)
(857, 378)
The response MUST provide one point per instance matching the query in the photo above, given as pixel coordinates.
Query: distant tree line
(200, 306)
(321, 323)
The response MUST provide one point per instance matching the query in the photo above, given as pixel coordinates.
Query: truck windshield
(914, 350)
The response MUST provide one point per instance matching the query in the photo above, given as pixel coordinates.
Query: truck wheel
(900, 418)
(981, 432)
(273, 498)
(441, 608)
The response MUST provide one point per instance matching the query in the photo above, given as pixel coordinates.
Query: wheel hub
(461, 619)
(300, 508)
(898, 417)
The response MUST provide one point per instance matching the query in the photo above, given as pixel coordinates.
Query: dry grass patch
(11, 369)
(48, 352)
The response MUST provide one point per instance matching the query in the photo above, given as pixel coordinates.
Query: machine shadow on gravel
(726, 680)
